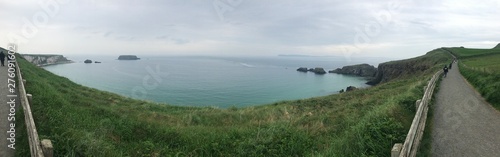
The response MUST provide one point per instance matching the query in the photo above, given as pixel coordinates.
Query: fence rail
(36, 147)
(410, 146)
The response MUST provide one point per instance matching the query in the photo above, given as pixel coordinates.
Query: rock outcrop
(44, 60)
(128, 57)
(87, 61)
(350, 88)
(363, 70)
(319, 71)
(316, 70)
(302, 69)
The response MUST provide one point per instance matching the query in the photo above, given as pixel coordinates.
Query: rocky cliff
(44, 60)
(363, 70)
(410, 67)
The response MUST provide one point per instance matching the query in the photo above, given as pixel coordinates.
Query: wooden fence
(37, 148)
(410, 146)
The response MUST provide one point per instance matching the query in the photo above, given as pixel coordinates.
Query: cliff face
(497, 47)
(391, 70)
(44, 60)
(410, 67)
(363, 70)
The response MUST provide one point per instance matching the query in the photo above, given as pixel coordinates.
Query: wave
(248, 65)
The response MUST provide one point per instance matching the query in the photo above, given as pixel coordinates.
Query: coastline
(234, 93)
(50, 64)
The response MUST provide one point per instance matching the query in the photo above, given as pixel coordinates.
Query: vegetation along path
(463, 123)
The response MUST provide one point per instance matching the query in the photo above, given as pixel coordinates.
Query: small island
(128, 57)
(316, 70)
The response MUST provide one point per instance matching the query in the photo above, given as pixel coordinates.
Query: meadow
(83, 121)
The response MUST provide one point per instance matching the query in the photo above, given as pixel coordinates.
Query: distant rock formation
(302, 69)
(363, 70)
(97, 62)
(316, 70)
(128, 57)
(87, 61)
(44, 60)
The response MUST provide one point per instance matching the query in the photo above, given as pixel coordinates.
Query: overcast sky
(365, 28)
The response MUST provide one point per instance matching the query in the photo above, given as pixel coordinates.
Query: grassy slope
(481, 67)
(82, 121)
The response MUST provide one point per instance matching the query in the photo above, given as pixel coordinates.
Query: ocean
(212, 81)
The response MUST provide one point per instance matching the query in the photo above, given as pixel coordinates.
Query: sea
(220, 82)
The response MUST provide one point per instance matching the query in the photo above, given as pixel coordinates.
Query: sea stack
(128, 57)
(87, 61)
(302, 69)
(318, 70)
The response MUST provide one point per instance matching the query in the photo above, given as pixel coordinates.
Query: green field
(82, 121)
(485, 63)
(481, 67)
(467, 53)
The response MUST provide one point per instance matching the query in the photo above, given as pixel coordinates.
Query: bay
(212, 81)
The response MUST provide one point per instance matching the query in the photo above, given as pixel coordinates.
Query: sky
(357, 28)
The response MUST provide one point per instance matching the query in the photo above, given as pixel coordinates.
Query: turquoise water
(211, 81)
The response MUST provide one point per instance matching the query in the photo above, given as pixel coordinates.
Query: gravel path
(4, 114)
(463, 123)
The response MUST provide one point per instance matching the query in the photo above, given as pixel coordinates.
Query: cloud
(256, 27)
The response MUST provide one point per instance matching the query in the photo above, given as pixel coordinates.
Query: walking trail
(463, 123)
(4, 113)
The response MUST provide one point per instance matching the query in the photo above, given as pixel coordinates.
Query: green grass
(467, 53)
(489, 64)
(481, 67)
(82, 121)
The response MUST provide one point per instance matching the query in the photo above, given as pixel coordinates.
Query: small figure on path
(2, 57)
(450, 65)
(445, 69)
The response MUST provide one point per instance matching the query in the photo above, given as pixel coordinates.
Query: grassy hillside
(408, 68)
(481, 67)
(82, 121)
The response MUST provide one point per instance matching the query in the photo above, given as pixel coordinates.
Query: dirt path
(463, 123)
(5, 151)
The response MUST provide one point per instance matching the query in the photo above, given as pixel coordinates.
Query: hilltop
(497, 47)
(83, 121)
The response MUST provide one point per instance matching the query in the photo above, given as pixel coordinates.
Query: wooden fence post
(47, 148)
(30, 98)
(396, 150)
(417, 104)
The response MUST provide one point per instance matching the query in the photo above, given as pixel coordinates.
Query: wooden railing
(412, 142)
(37, 148)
